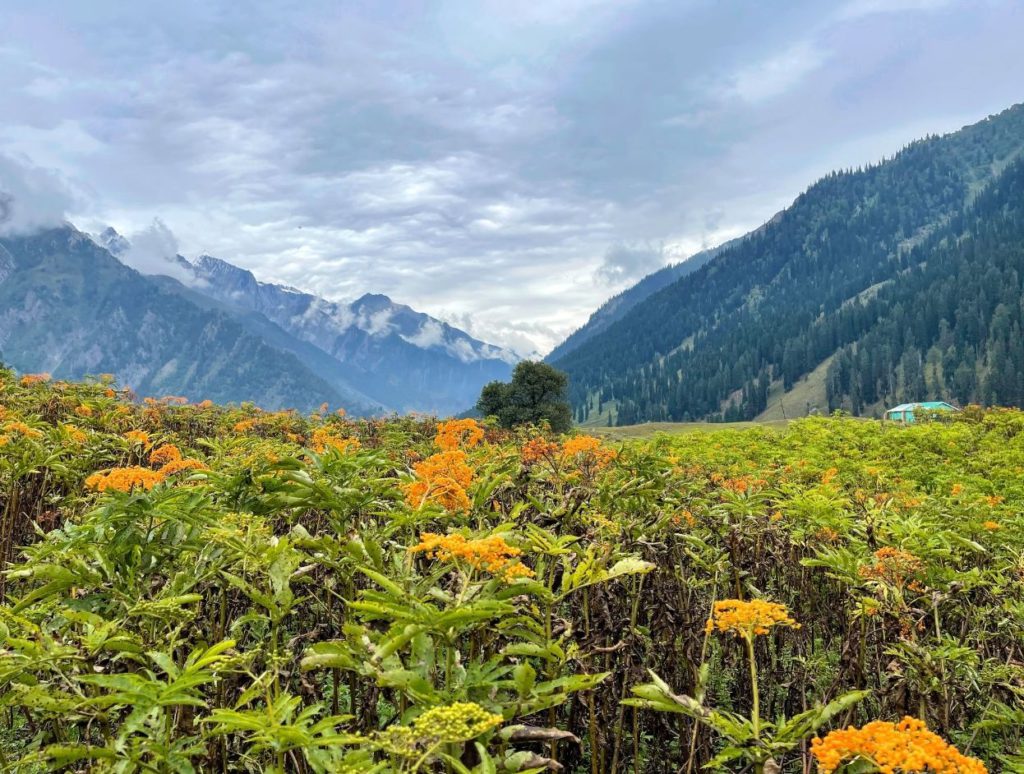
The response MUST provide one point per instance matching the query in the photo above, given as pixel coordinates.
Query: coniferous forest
(901, 280)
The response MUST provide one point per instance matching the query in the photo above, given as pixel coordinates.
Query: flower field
(194, 588)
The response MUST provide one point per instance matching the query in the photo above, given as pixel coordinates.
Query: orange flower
(892, 565)
(492, 554)
(956, 489)
(907, 746)
(828, 475)
(29, 379)
(537, 449)
(992, 526)
(161, 455)
(75, 435)
(441, 478)
(748, 619)
(83, 411)
(586, 450)
(324, 439)
(458, 432)
(140, 437)
(124, 479)
(20, 428)
(180, 465)
(245, 425)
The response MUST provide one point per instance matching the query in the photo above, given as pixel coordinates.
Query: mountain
(69, 307)
(402, 358)
(616, 307)
(836, 301)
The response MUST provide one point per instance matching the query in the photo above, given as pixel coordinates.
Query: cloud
(154, 250)
(626, 263)
(31, 198)
(777, 74)
(476, 160)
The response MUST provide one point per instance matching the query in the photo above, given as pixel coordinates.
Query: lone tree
(535, 394)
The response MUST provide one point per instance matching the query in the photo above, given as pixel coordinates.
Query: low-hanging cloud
(154, 250)
(31, 198)
(625, 262)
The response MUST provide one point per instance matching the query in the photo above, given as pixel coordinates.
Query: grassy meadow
(196, 588)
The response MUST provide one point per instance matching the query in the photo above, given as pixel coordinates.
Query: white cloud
(31, 198)
(777, 74)
(153, 250)
(627, 263)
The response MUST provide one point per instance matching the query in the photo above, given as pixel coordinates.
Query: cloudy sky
(503, 165)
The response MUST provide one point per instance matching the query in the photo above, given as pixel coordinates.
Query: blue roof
(928, 404)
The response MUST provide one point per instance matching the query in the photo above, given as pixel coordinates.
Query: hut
(907, 413)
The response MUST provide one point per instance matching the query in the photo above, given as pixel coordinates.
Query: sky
(505, 166)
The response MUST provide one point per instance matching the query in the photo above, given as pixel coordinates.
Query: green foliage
(536, 395)
(907, 274)
(304, 593)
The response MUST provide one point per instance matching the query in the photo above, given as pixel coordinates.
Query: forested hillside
(830, 280)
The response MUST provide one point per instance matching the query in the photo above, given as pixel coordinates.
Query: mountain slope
(616, 307)
(67, 306)
(767, 311)
(399, 357)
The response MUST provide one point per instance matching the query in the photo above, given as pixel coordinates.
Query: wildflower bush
(193, 588)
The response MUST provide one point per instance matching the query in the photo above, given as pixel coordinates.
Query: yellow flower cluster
(324, 438)
(456, 433)
(907, 746)
(124, 479)
(748, 619)
(455, 723)
(441, 478)
(458, 722)
(492, 554)
(83, 410)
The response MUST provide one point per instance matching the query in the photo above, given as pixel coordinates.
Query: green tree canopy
(536, 393)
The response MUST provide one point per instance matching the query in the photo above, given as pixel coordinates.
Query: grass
(649, 429)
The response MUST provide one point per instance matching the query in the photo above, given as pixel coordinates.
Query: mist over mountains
(209, 329)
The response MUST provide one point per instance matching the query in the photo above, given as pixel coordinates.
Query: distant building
(906, 413)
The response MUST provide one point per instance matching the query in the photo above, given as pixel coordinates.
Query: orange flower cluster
(892, 565)
(956, 489)
(456, 433)
(992, 526)
(83, 411)
(180, 465)
(587, 450)
(324, 439)
(537, 449)
(441, 478)
(492, 554)
(20, 428)
(828, 476)
(747, 619)
(907, 746)
(75, 435)
(743, 484)
(124, 479)
(138, 437)
(29, 379)
(161, 455)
